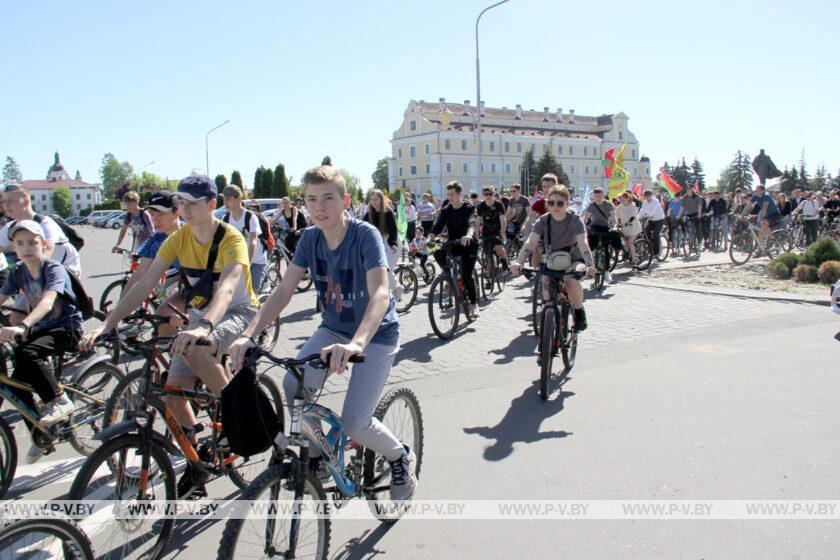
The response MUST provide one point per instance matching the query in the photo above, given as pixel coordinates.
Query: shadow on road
(522, 345)
(419, 349)
(521, 423)
(364, 546)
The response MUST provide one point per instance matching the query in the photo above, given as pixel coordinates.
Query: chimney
(559, 115)
(519, 112)
(571, 116)
(467, 105)
(442, 104)
(483, 111)
(545, 114)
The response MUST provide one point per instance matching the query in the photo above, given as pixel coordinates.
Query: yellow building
(437, 143)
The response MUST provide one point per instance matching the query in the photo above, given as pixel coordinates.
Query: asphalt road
(675, 396)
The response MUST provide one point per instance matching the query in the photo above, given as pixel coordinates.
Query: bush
(821, 250)
(805, 273)
(829, 272)
(778, 270)
(791, 260)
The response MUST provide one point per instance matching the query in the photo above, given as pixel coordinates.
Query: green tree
(380, 175)
(280, 186)
(326, 161)
(257, 189)
(114, 175)
(221, 182)
(353, 188)
(738, 174)
(549, 164)
(147, 183)
(11, 171)
(265, 187)
(682, 174)
(236, 178)
(529, 175)
(697, 174)
(789, 180)
(61, 201)
(821, 178)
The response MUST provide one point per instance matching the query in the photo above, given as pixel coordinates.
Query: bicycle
(366, 474)
(745, 244)
(43, 536)
(122, 467)
(426, 271)
(644, 253)
(91, 379)
(514, 242)
(118, 286)
(557, 320)
(664, 246)
(447, 295)
(274, 262)
(406, 279)
(493, 276)
(717, 239)
(600, 255)
(690, 238)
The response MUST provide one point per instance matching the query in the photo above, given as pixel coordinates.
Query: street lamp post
(478, 88)
(207, 148)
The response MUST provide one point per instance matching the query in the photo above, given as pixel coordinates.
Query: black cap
(161, 201)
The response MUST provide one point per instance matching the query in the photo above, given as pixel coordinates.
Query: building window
(559, 149)
(620, 135)
(507, 147)
(449, 167)
(43, 198)
(412, 151)
(507, 168)
(88, 196)
(447, 144)
(427, 149)
(463, 145)
(492, 146)
(465, 168)
(399, 153)
(571, 150)
(534, 148)
(401, 171)
(546, 147)
(634, 154)
(414, 170)
(412, 125)
(492, 168)
(595, 151)
(427, 169)
(573, 169)
(78, 196)
(519, 147)
(585, 150)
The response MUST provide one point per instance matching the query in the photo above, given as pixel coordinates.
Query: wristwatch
(206, 323)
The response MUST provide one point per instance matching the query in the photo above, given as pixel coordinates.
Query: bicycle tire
(547, 340)
(107, 301)
(598, 281)
(8, 457)
(536, 304)
(444, 297)
(644, 253)
(501, 274)
(783, 239)
(488, 271)
(407, 279)
(480, 294)
(615, 258)
(664, 248)
(399, 399)
(74, 543)
(85, 445)
(741, 248)
(305, 282)
(272, 481)
(126, 398)
(127, 445)
(568, 336)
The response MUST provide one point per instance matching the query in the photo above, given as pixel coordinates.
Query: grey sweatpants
(366, 383)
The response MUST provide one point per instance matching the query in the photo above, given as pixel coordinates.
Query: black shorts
(773, 220)
(491, 240)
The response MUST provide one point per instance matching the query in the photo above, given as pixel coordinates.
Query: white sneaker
(398, 293)
(608, 277)
(58, 409)
(475, 311)
(33, 454)
(403, 477)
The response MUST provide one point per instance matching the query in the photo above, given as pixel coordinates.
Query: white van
(97, 214)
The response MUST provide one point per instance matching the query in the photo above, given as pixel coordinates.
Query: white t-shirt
(411, 213)
(253, 227)
(64, 253)
(426, 210)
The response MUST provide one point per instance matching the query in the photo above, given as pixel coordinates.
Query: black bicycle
(493, 275)
(447, 295)
(44, 536)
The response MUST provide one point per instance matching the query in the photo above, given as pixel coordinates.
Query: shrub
(791, 260)
(778, 270)
(805, 273)
(821, 250)
(829, 272)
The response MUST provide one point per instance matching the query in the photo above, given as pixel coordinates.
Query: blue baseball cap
(197, 187)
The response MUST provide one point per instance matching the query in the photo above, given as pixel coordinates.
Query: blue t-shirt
(341, 278)
(65, 314)
(675, 206)
(760, 201)
(149, 250)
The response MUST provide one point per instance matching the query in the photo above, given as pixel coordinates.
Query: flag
(402, 221)
(608, 161)
(697, 185)
(637, 189)
(669, 184)
(619, 157)
(619, 178)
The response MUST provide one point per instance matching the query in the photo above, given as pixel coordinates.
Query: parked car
(265, 203)
(100, 222)
(96, 214)
(75, 220)
(115, 222)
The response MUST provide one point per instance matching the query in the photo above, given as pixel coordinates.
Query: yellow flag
(620, 178)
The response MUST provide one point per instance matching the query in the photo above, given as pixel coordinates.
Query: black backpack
(250, 420)
(83, 301)
(72, 236)
(265, 236)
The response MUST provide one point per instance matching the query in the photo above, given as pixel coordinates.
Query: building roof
(35, 184)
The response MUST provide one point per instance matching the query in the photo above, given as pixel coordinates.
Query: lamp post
(478, 88)
(207, 148)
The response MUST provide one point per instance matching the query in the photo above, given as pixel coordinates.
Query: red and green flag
(667, 182)
(608, 161)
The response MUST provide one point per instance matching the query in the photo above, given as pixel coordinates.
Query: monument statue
(765, 168)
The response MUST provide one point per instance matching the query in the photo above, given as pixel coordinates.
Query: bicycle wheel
(664, 248)
(568, 336)
(501, 274)
(126, 399)
(783, 240)
(246, 469)
(428, 273)
(269, 336)
(399, 410)
(98, 382)
(444, 307)
(512, 248)
(480, 293)
(598, 282)
(616, 256)
(8, 457)
(548, 336)
(267, 536)
(43, 536)
(536, 301)
(305, 282)
(116, 526)
(407, 279)
(112, 294)
(644, 254)
(488, 271)
(741, 248)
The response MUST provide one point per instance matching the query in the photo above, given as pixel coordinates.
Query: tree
(265, 187)
(789, 180)
(61, 201)
(528, 175)
(353, 188)
(697, 175)
(221, 182)
(804, 182)
(549, 164)
(380, 176)
(257, 190)
(280, 186)
(11, 171)
(114, 174)
(821, 178)
(665, 167)
(682, 174)
(326, 161)
(236, 178)
(738, 174)
(147, 183)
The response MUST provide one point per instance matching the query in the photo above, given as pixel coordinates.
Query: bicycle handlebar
(253, 354)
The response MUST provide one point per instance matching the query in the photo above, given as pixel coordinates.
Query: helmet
(835, 297)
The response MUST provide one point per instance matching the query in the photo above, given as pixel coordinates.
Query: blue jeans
(257, 275)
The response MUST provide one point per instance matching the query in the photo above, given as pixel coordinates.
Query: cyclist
(628, 222)
(426, 213)
(410, 215)
(221, 298)
(248, 224)
(652, 210)
(418, 246)
(717, 211)
(538, 208)
(52, 325)
(691, 211)
(601, 217)
(567, 233)
(137, 219)
(674, 211)
(286, 219)
(381, 216)
(764, 205)
(459, 220)
(347, 258)
(810, 217)
(517, 212)
(832, 208)
(491, 224)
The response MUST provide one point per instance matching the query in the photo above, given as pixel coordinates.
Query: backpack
(72, 236)
(83, 301)
(265, 236)
(250, 420)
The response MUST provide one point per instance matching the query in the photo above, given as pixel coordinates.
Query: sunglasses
(557, 203)
(488, 194)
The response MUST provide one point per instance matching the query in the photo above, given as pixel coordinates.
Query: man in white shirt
(248, 224)
(426, 213)
(652, 210)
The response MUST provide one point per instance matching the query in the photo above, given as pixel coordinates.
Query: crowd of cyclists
(208, 278)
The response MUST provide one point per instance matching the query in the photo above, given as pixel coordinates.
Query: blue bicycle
(296, 524)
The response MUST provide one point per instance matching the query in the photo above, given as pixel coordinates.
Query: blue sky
(298, 80)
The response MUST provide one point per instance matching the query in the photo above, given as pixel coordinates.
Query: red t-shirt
(539, 206)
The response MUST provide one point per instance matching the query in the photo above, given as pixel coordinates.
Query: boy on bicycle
(53, 324)
(347, 259)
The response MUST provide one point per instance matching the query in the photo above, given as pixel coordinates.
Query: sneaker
(608, 277)
(580, 319)
(191, 485)
(475, 312)
(58, 409)
(403, 479)
(34, 454)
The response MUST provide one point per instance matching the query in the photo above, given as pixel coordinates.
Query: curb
(730, 292)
